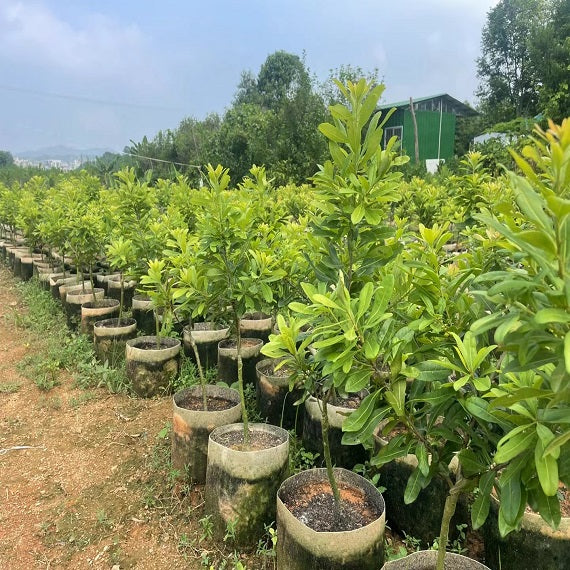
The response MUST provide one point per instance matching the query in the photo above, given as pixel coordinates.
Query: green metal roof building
(435, 117)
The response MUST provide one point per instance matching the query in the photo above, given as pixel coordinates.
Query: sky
(99, 73)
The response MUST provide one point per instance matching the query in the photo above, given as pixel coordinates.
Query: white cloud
(99, 48)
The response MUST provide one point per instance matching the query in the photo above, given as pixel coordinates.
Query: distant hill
(65, 153)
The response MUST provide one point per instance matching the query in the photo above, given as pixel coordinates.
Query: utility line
(161, 160)
(85, 99)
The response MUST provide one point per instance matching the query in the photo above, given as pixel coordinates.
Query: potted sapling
(84, 237)
(153, 362)
(528, 318)
(197, 409)
(246, 461)
(353, 191)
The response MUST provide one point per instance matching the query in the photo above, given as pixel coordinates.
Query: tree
(550, 55)
(345, 73)
(6, 158)
(508, 86)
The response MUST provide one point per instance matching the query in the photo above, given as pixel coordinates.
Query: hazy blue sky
(98, 73)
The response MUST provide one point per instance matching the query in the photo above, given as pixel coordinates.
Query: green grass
(9, 387)
(60, 349)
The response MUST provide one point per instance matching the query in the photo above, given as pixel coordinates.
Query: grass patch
(61, 349)
(9, 387)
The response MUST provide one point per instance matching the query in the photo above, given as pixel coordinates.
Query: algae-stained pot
(206, 336)
(535, 546)
(192, 425)
(344, 455)
(152, 364)
(93, 311)
(256, 325)
(75, 298)
(422, 518)
(27, 268)
(242, 481)
(64, 285)
(275, 400)
(311, 534)
(114, 290)
(143, 313)
(426, 560)
(227, 359)
(110, 337)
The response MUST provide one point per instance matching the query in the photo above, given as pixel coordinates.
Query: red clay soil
(92, 489)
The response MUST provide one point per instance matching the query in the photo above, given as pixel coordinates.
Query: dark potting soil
(114, 323)
(351, 401)
(152, 345)
(246, 342)
(269, 370)
(190, 402)
(314, 506)
(257, 440)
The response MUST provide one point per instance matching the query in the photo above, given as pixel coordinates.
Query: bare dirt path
(90, 490)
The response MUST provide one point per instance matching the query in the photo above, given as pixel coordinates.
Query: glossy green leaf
(358, 418)
(514, 443)
(482, 503)
(547, 470)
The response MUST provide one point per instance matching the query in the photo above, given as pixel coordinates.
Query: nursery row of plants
(420, 328)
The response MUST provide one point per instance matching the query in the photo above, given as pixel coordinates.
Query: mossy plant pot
(206, 336)
(102, 280)
(110, 337)
(274, 399)
(422, 518)
(143, 313)
(114, 290)
(75, 299)
(93, 311)
(300, 547)
(191, 428)
(227, 359)
(68, 283)
(27, 268)
(346, 456)
(426, 560)
(256, 325)
(535, 546)
(17, 266)
(152, 364)
(242, 483)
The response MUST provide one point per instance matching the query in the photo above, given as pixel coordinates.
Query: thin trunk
(122, 297)
(92, 283)
(448, 512)
(200, 372)
(327, 451)
(244, 416)
(157, 326)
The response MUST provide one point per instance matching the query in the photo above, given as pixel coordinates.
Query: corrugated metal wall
(428, 132)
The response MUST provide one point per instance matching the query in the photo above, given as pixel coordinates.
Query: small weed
(75, 402)
(267, 544)
(299, 458)
(103, 520)
(412, 543)
(9, 387)
(207, 527)
(457, 545)
(230, 529)
(53, 403)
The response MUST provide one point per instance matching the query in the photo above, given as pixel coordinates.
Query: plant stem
(92, 283)
(122, 297)
(448, 512)
(200, 372)
(240, 383)
(327, 451)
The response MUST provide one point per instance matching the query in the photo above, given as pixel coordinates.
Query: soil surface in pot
(314, 507)
(351, 401)
(114, 323)
(269, 370)
(246, 342)
(214, 404)
(152, 345)
(257, 440)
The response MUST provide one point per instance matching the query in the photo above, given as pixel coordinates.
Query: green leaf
(482, 503)
(333, 133)
(364, 299)
(511, 500)
(518, 395)
(514, 443)
(395, 448)
(549, 509)
(470, 462)
(547, 470)
(567, 352)
(547, 316)
(414, 486)
(479, 408)
(422, 456)
(357, 381)
(487, 323)
(357, 214)
(324, 300)
(358, 418)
